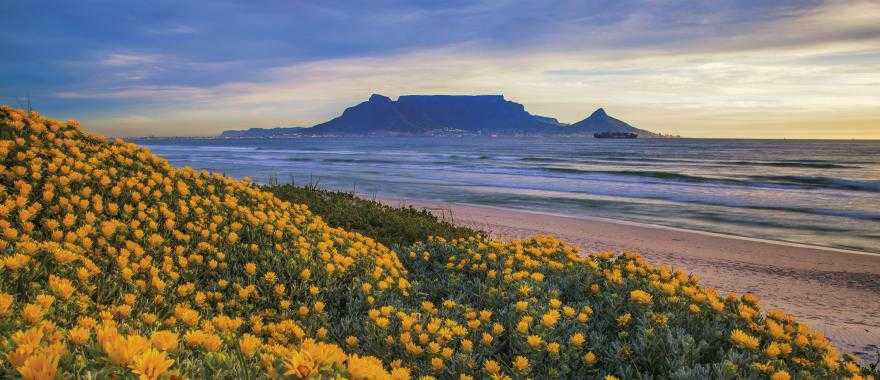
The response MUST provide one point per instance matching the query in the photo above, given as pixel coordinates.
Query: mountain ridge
(445, 114)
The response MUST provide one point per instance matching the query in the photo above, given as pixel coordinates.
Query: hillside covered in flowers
(114, 264)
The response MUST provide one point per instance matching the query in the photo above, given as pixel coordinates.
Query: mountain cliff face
(425, 113)
(599, 121)
(433, 114)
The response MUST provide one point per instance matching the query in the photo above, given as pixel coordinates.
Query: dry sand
(836, 292)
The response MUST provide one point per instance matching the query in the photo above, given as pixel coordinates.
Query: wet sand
(834, 291)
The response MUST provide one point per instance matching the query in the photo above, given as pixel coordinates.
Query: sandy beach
(834, 291)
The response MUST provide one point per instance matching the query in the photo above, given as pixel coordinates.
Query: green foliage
(392, 226)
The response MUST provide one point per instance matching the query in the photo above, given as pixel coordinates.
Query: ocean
(824, 193)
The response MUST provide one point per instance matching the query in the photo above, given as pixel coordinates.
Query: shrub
(391, 226)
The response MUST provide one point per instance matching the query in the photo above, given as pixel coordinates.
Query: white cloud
(169, 93)
(172, 30)
(129, 59)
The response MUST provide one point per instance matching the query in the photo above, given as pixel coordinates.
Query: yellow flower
(577, 339)
(351, 341)
(550, 318)
(534, 341)
(299, 364)
(486, 339)
(491, 367)
(187, 315)
(225, 324)
(467, 345)
(279, 289)
(773, 350)
(497, 328)
(270, 277)
(44, 300)
(250, 268)
(624, 319)
(151, 364)
(366, 368)
(751, 298)
(830, 358)
(660, 319)
(207, 341)
(79, 335)
(32, 313)
(122, 350)
(485, 315)
(248, 344)
(521, 364)
(763, 367)
(640, 296)
(436, 363)
(775, 329)
(400, 373)
(322, 332)
(590, 358)
(324, 353)
(5, 303)
(744, 340)
(149, 318)
(40, 366)
(87, 322)
(164, 340)
(780, 375)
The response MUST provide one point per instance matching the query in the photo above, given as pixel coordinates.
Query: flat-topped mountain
(419, 114)
(445, 114)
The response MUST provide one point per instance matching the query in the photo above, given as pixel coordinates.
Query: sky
(742, 69)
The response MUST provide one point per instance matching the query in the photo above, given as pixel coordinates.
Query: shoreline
(829, 289)
(650, 225)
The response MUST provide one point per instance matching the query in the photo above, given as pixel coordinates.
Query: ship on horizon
(615, 135)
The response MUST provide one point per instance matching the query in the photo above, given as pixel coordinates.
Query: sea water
(824, 193)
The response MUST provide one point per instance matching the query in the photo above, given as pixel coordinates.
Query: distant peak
(599, 113)
(379, 98)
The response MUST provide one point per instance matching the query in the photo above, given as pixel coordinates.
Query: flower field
(114, 264)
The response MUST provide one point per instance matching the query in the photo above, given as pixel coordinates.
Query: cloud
(129, 59)
(171, 30)
(134, 119)
(141, 93)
